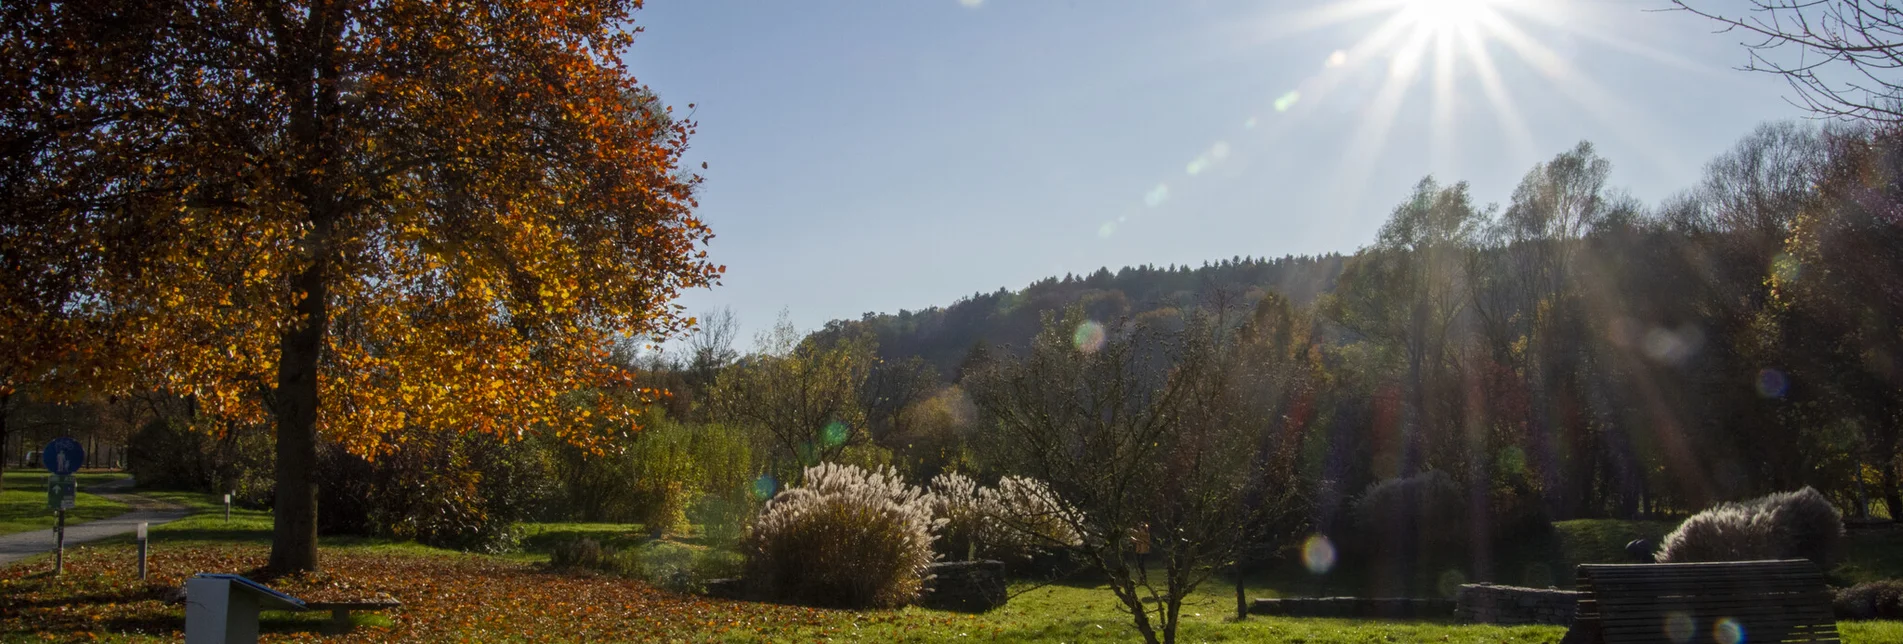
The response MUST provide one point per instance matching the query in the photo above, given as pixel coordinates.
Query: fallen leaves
(445, 598)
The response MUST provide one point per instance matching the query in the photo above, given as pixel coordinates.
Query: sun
(1446, 15)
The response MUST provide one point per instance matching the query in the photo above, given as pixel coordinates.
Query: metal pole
(59, 542)
(227, 508)
(142, 551)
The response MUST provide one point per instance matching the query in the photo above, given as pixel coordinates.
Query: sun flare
(1446, 15)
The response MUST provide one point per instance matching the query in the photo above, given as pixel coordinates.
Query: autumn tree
(355, 218)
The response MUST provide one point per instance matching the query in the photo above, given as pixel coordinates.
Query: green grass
(23, 501)
(1067, 612)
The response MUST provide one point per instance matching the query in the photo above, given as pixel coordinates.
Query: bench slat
(1774, 601)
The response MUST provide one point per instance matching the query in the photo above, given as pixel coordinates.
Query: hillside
(943, 335)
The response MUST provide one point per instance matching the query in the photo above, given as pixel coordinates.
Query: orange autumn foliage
(352, 218)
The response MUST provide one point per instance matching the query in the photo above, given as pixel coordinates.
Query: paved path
(20, 545)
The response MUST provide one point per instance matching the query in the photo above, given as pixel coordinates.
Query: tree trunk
(1892, 497)
(6, 409)
(1242, 602)
(294, 517)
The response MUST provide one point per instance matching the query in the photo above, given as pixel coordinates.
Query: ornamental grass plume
(845, 537)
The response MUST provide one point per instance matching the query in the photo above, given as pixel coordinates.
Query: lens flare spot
(1512, 459)
(1338, 58)
(1197, 167)
(765, 486)
(1249, 124)
(1285, 101)
(1107, 229)
(1678, 627)
(1318, 553)
(1219, 151)
(1088, 337)
(1772, 383)
(1785, 268)
(973, 4)
(1727, 631)
(834, 434)
(1450, 582)
(1156, 196)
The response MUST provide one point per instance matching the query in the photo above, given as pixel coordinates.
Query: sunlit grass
(23, 502)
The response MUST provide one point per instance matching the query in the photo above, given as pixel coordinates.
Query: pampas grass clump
(846, 537)
(1019, 519)
(1786, 525)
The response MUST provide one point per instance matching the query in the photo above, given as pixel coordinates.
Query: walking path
(21, 545)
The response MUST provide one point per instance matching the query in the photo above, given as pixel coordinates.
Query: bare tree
(710, 346)
(1848, 59)
(1144, 431)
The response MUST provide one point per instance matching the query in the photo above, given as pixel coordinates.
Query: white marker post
(142, 551)
(227, 507)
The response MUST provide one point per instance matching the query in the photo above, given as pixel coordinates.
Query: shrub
(1016, 521)
(1787, 525)
(1882, 599)
(846, 537)
(666, 564)
(457, 490)
(174, 454)
(1429, 504)
(1032, 519)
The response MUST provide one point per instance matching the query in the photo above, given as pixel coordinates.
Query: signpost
(62, 457)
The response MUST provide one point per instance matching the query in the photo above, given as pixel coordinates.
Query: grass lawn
(451, 596)
(23, 501)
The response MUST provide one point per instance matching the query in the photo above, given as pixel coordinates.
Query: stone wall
(1490, 604)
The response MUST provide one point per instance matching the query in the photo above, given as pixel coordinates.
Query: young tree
(1141, 430)
(359, 217)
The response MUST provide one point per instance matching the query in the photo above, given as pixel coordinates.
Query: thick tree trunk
(294, 519)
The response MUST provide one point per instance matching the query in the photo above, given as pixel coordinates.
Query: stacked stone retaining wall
(1490, 604)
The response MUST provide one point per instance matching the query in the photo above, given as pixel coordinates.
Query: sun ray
(1627, 123)
(1554, 15)
(1376, 121)
(1519, 137)
(1440, 145)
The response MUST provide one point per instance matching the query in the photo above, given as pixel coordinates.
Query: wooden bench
(1732, 601)
(340, 611)
(223, 609)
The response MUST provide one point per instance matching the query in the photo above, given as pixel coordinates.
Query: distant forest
(1571, 348)
(943, 336)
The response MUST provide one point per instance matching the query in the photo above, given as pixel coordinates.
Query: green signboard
(62, 491)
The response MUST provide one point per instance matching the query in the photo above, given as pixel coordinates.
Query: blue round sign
(63, 456)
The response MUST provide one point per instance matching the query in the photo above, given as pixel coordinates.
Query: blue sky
(879, 155)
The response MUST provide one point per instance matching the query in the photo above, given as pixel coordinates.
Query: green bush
(1428, 507)
(846, 537)
(674, 566)
(455, 490)
(1787, 525)
(1882, 599)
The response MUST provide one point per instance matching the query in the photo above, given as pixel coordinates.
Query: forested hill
(943, 335)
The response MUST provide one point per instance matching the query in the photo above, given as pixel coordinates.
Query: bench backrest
(1732, 601)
